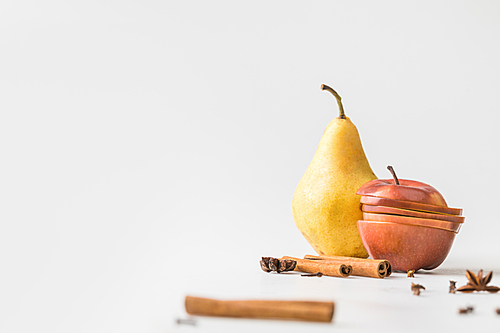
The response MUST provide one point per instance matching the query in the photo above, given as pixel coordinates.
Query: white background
(150, 150)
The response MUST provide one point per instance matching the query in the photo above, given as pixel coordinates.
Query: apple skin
(368, 200)
(431, 223)
(407, 190)
(406, 247)
(412, 213)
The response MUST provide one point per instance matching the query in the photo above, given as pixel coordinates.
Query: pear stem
(396, 180)
(339, 100)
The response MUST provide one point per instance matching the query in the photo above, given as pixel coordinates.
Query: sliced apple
(451, 226)
(413, 213)
(407, 247)
(369, 200)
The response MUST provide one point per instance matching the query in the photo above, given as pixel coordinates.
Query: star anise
(478, 283)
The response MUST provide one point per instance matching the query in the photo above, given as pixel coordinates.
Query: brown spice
(299, 310)
(264, 264)
(410, 273)
(285, 264)
(497, 310)
(416, 288)
(270, 264)
(274, 264)
(478, 283)
(328, 268)
(466, 310)
(453, 287)
(360, 267)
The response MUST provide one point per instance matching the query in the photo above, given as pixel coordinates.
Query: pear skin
(325, 205)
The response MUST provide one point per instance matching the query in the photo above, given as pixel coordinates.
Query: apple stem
(339, 100)
(396, 180)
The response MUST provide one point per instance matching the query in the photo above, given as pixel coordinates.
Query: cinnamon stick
(323, 267)
(360, 267)
(301, 310)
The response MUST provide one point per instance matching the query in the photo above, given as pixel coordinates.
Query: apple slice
(413, 213)
(410, 205)
(452, 226)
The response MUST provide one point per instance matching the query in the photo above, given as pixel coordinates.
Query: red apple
(410, 205)
(412, 213)
(431, 223)
(402, 189)
(406, 246)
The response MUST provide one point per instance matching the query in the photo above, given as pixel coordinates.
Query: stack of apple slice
(408, 202)
(407, 223)
(407, 212)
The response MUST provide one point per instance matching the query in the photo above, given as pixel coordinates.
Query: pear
(325, 205)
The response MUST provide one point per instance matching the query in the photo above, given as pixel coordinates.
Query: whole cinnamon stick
(360, 267)
(301, 310)
(323, 267)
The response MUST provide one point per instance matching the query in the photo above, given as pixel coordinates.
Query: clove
(270, 264)
(453, 287)
(466, 310)
(416, 288)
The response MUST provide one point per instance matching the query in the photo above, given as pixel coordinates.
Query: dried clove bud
(319, 274)
(264, 264)
(410, 273)
(466, 310)
(453, 287)
(274, 264)
(270, 264)
(286, 265)
(497, 310)
(416, 288)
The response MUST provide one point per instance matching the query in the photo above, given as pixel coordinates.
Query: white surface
(362, 304)
(150, 150)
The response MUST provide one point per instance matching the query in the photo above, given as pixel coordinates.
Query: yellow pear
(325, 205)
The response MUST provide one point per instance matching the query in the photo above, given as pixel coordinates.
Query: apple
(406, 246)
(416, 206)
(407, 222)
(412, 213)
(431, 223)
(402, 189)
